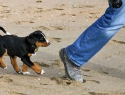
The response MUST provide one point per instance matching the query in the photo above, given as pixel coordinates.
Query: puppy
(22, 47)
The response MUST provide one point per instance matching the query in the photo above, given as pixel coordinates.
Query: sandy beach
(62, 21)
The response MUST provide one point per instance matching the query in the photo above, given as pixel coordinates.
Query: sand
(62, 21)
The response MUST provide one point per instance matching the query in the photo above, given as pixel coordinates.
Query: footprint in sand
(60, 81)
(38, 1)
(63, 5)
(20, 22)
(54, 9)
(6, 79)
(42, 64)
(105, 72)
(117, 42)
(87, 75)
(41, 28)
(58, 9)
(65, 81)
(6, 11)
(57, 63)
(86, 70)
(63, 14)
(1, 77)
(95, 81)
(55, 39)
(58, 27)
(94, 93)
(15, 93)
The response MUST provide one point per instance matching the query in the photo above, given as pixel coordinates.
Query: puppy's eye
(32, 46)
(42, 39)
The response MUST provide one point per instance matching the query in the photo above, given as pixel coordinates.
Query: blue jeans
(97, 35)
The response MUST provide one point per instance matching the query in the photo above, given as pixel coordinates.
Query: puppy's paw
(5, 68)
(20, 72)
(26, 73)
(34, 54)
(42, 72)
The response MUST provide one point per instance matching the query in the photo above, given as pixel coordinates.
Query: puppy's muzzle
(48, 42)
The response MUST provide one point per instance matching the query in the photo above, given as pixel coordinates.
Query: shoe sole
(61, 52)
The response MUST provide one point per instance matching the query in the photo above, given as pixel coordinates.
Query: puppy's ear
(31, 39)
(35, 36)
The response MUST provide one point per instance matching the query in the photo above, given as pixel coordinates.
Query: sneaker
(72, 71)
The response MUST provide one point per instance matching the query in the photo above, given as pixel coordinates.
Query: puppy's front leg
(37, 69)
(25, 70)
(30, 64)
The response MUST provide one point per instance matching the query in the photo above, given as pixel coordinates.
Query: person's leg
(97, 35)
(91, 41)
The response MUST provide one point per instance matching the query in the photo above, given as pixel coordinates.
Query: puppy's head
(38, 38)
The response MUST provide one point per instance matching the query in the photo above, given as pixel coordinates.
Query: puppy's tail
(7, 33)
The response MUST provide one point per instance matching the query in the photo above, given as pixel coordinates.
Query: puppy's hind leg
(2, 65)
(2, 53)
(14, 64)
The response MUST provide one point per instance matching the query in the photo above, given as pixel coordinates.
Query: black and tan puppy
(22, 47)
